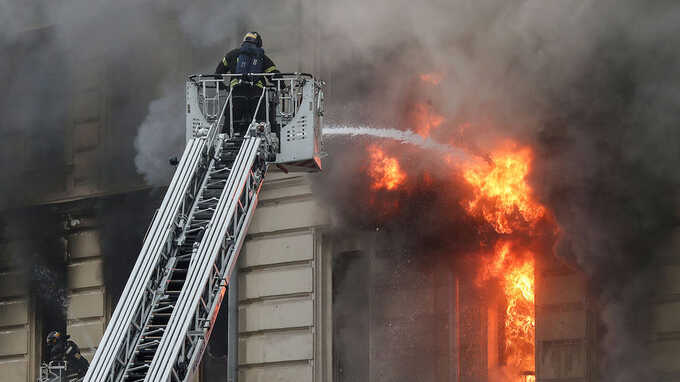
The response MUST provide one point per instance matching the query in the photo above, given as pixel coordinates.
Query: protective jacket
(246, 59)
(70, 352)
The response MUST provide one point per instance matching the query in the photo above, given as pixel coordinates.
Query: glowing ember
(501, 193)
(425, 119)
(384, 171)
(432, 78)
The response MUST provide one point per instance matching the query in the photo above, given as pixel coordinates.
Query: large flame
(384, 171)
(515, 271)
(503, 198)
(502, 195)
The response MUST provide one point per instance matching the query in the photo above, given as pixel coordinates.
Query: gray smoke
(31, 242)
(138, 51)
(152, 159)
(592, 85)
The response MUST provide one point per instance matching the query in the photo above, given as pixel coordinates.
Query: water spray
(403, 136)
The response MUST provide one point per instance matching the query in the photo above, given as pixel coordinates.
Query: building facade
(74, 168)
(313, 305)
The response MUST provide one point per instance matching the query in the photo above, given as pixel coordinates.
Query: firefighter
(249, 58)
(60, 348)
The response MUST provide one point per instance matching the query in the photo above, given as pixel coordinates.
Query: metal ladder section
(162, 322)
(177, 267)
(181, 348)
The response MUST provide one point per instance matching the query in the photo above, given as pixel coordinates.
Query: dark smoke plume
(138, 54)
(32, 242)
(591, 85)
(112, 59)
(118, 60)
(123, 221)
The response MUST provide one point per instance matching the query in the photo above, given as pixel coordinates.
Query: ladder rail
(238, 172)
(228, 256)
(106, 348)
(165, 316)
(130, 306)
(176, 250)
(221, 264)
(173, 341)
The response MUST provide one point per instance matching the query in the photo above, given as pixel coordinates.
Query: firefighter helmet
(253, 37)
(53, 337)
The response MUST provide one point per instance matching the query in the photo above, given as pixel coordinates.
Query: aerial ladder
(163, 320)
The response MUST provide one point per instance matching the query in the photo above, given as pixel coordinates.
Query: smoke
(117, 59)
(592, 86)
(152, 159)
(609, 152)
(32, 243)
(102, 69)
(123, 220)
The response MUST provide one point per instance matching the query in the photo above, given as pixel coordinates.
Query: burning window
(503, 198)
(467, 206)
(384, 170)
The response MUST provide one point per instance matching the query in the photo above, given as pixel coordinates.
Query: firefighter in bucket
(249, 58)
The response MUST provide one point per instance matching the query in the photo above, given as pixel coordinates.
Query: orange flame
(385, 171)
(432, 78)
(502, 195)
(516, 275)
(425, 119)
(503, 198)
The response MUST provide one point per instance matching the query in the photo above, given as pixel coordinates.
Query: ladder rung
(144, 366)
